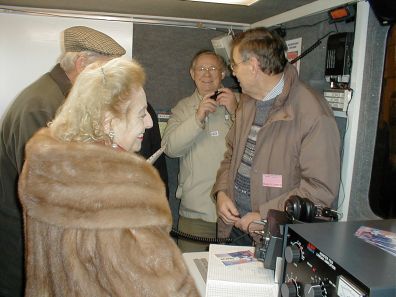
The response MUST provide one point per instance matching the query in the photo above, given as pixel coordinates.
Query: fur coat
(97, 223)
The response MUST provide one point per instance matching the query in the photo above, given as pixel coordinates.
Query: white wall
(31, 44)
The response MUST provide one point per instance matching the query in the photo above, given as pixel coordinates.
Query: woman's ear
(223, 73)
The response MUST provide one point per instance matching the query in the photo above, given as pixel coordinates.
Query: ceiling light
(236, 2)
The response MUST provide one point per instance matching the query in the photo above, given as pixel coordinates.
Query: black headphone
(303, 209)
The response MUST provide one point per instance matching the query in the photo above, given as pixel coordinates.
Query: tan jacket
(201, 150)
(97, 224)
(299, 142)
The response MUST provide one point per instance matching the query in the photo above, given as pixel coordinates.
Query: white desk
(195, 273)
(228, 285)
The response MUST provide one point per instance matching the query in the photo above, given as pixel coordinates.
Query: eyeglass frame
(234, 65)
(204, 69)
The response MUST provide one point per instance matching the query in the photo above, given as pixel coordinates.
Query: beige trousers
(198, 228)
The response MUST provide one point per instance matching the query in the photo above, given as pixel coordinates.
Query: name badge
(214, 133)
(272, 180)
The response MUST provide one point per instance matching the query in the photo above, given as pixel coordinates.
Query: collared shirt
(275, 90)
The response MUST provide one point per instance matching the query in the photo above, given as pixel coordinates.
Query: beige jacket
(200, 150)
(97, 224)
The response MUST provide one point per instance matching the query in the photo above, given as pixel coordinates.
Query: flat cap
(81, 38)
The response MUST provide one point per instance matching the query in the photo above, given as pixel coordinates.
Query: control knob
(289, 289)
(313, 291)
(292, 254)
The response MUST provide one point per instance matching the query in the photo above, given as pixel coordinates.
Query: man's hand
(205, 107)
(245, 223)
(226, 209)
(227, 99)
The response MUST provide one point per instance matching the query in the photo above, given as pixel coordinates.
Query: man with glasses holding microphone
(195, 133)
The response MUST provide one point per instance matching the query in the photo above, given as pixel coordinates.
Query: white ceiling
(171, 8)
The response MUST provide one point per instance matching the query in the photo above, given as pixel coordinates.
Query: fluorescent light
(236, 2)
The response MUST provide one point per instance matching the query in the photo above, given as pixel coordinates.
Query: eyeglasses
(203, 69)
(233, 65)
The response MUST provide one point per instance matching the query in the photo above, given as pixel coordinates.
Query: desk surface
(195, 273)
(234, 287)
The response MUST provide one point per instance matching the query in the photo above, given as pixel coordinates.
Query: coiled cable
(186, 236)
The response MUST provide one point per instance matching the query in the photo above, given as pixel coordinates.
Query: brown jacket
(300, 142)
(97, 224)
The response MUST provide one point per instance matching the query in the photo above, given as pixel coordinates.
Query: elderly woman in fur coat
(96, 217)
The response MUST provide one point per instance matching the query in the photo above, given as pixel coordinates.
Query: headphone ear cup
(293, 207)
(301, 209)
(309, 210)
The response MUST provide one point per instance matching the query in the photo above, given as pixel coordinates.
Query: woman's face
(129, 129)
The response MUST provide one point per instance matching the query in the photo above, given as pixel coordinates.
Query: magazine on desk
(382, 239)
(234, 271)
(237, 258)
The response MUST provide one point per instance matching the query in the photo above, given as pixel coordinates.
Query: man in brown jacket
(285, 140)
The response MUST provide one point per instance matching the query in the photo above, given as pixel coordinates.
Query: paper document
(385, 240)
(233, 271)
(236, 258)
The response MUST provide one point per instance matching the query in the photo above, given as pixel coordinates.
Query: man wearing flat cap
(32, 109)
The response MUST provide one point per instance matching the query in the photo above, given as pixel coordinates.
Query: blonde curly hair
(101, 87)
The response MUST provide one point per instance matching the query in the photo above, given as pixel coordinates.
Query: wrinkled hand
(226, 209)
(205, 107)
(245, 222)
(228, 100)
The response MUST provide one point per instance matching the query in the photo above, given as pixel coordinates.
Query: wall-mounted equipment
(222, 47)
(344, 13)
(339, 57)
(338, 98)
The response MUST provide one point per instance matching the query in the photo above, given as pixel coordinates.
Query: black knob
(292, 254)
(289, 289)
(313, 291)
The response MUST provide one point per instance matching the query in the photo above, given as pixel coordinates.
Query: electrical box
(338, 98)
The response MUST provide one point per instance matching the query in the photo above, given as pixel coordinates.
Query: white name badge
(214, 133)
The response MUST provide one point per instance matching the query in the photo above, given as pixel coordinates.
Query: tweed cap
(81, 38)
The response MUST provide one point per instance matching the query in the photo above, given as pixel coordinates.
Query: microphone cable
(186, 236)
